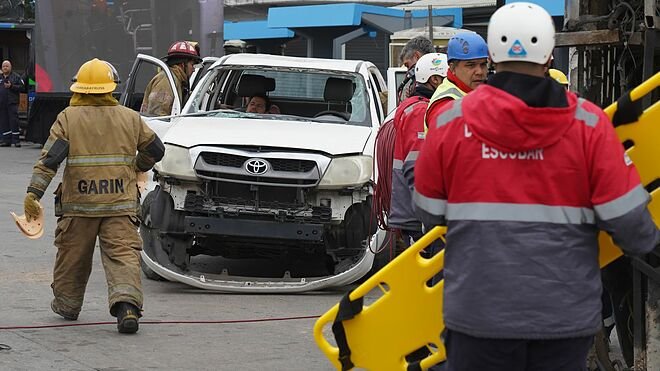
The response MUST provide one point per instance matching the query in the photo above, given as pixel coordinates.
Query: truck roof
(247, 59)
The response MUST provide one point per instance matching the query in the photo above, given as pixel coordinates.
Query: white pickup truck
(290, 186)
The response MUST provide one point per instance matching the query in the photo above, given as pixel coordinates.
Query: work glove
(31, 206)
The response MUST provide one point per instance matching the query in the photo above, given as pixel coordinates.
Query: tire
(146, 232)
(149, 273)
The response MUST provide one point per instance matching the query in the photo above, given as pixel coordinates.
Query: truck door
(145, 68)
(395, 76)
(200, 71)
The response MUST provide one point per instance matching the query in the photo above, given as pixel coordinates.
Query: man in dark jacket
(524, 174)
(10, 88)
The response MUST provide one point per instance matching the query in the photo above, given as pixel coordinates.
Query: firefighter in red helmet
(158, 97)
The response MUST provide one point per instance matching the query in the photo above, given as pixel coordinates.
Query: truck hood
(333, 139)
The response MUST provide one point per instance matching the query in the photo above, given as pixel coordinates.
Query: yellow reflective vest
(445, 90)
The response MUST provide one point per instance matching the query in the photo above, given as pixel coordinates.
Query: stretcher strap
(627, 111)
(347, 310)
(416, 357)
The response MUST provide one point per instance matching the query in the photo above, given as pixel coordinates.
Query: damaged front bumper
(225, 282)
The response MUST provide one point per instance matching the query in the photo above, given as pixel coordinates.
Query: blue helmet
(467, 45)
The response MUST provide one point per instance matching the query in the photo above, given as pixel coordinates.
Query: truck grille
(278, 164)
(286, 204)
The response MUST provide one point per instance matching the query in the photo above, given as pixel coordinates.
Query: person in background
(468, 68)
(414, 49)
(158, 96)
(10, 88)
(430, 70)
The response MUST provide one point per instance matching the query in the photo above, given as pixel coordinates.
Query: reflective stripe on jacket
(99, 144)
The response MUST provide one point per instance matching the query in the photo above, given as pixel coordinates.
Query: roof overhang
(249, 30)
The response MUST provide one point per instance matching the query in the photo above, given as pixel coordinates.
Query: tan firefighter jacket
(158, 96)
(99, 140)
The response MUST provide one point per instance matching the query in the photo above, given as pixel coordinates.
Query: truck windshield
(285, 94)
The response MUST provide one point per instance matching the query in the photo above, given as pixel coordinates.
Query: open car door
(144, 69)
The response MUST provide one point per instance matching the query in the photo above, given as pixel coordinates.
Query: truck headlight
(176, 163)
(347, 171)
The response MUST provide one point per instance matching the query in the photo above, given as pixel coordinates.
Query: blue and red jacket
(524, 188)
(409, 131)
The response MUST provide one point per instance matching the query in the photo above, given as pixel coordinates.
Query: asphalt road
(25, 294)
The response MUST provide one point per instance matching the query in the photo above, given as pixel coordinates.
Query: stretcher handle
(640, 91)
(328, 317)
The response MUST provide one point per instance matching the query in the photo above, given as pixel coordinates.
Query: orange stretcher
(396, 323)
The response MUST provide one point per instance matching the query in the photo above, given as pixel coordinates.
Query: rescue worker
(559, 77)
(468, 67)
(98, 196)
(430, 70)
(524, 173)
(414, 49)
(158, 96)
(10, 89)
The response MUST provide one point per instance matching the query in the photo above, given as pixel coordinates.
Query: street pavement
(25, 295)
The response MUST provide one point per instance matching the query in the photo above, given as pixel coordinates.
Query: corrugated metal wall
(372, 49)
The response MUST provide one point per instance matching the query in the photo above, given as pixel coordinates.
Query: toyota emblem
(256, 166)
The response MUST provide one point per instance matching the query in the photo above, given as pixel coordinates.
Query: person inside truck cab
(158, 97)
(258, 103)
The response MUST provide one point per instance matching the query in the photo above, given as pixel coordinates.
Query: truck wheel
(385, 255)
(149, 273)
(148, 234)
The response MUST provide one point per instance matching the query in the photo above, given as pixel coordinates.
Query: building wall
(372, 49)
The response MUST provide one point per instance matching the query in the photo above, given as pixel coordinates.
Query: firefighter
(98, 196)
(524, 173)
(468, 68)
(430, 70)
(158, 96)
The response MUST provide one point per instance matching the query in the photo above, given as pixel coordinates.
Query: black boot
(127, 318)
(5, 144)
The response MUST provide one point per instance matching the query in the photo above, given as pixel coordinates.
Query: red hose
(155, 322)
(383, 157)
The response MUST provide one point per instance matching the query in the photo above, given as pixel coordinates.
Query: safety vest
(445, 90)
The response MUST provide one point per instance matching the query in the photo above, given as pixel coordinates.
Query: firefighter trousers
(120, 243)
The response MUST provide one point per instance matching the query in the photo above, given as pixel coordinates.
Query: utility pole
(431, 24)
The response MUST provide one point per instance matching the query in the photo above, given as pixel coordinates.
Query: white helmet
(429, 65)
(521, 32)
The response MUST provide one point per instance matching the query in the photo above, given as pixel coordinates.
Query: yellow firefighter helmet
(95, 77)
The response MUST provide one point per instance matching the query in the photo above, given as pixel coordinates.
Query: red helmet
(182, 49)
